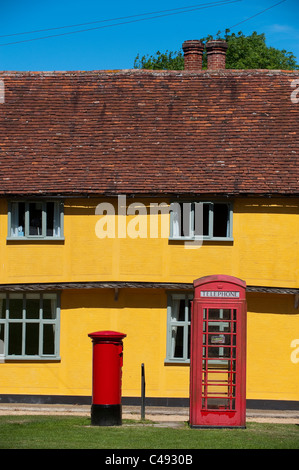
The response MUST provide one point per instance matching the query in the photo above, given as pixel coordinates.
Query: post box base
(106, 415)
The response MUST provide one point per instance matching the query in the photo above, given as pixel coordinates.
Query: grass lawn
(73, 432)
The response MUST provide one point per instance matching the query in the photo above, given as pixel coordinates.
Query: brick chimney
(193, 51)
(216, 53)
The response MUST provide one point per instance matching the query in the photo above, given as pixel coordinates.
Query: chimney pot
(193, 50)
(216, 54)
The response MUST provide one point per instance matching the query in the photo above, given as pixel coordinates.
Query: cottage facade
(118, 190)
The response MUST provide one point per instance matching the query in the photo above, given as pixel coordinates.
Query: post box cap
(107, 335)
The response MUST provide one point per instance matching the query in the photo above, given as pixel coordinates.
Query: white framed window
(178, 327)
(201, 220)
(35, 220)
(29, 326)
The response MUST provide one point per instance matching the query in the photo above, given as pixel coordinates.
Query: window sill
(202, 239)
(4, 359)
(185, 362)
(29, 239)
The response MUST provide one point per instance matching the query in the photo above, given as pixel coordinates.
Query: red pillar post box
(218, 353)
(107, 364)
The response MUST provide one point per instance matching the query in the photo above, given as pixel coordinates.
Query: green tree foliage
(244, 52)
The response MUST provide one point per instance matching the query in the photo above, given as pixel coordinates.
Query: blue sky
(116, 46)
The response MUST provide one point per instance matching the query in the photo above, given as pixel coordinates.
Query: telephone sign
(215, 293)
(218, 353)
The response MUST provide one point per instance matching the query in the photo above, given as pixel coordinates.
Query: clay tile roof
(149, 132)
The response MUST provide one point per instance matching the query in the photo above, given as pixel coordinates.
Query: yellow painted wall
(272, 357)
(265, 250)
(273, 324)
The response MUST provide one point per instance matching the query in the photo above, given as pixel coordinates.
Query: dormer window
(35, 220)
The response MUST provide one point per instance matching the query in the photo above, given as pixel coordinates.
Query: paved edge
(159, 414)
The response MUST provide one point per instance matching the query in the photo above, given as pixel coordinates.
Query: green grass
(73, 432)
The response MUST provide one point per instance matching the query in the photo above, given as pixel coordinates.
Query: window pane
(32, 339)
(189, 310)
(181, 219)
(218, 352)
(21, 219)
(219, 314)
(2, 329)
(50, 219)
(177, 335)
(15, 339)
(206, 215)
(176, 219)
(186, 219)
(49, 306)
(53, 219)
(32, 306)
(219, 327)
(2, 305)
(181, 310)
(178, 310)
(15, 306)
(219, 339)
(35, 218)
(17, 219)
(49, 339)
(220, 220)
(217, 403)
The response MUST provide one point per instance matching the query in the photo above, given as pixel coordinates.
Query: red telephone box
(218, 353)
(107, 364)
